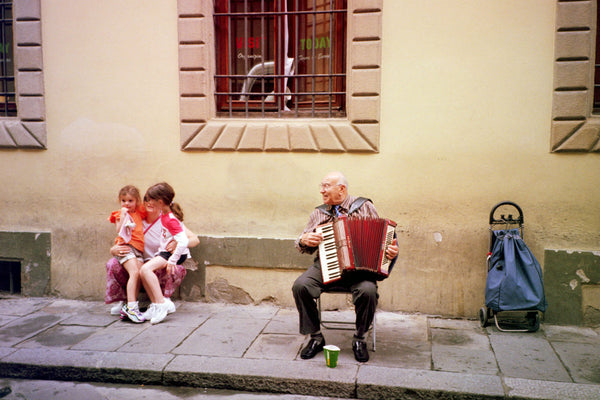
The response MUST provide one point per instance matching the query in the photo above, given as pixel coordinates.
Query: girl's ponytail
(177, 211)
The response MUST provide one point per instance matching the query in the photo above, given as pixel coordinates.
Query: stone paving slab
(190, 315)
(59, 336)
(163, 339)
(111, 338)
(222, 336)
(233, 311)
(26, 327)
(272, 346)
(4, 351)
(103, 319)
(581, 360)
(6, 319)
(460, 350)
(21, 306)
(578, 334)
(527, 356)
(285, 321)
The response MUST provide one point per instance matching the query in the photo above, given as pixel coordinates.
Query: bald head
(334, 188)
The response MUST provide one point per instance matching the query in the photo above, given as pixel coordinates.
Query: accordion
(355, 244)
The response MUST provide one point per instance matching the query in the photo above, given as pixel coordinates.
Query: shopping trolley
(514, 285)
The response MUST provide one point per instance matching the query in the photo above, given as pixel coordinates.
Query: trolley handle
(503, 218)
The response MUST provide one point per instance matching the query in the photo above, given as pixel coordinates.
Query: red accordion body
(355, 243)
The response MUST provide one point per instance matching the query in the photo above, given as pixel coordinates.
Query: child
(161, 196)
(129, 223)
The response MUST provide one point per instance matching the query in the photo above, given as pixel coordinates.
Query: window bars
(280, 58)
(8, 107)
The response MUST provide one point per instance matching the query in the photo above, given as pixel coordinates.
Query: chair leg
(374, 333)
(324, 324)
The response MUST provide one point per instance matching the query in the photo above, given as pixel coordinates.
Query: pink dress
(117, 276)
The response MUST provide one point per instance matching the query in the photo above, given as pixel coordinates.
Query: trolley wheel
(483, 316)
(534, 321)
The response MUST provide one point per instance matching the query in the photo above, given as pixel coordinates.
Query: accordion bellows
(353, 244)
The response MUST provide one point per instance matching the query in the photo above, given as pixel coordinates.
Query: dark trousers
(309, 286)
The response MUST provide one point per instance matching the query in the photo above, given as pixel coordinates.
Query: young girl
(161, 196)
(130, 230)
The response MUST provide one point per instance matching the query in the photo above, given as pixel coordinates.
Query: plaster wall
(465, 123)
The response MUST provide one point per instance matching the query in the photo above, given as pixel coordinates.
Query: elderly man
(362, 285)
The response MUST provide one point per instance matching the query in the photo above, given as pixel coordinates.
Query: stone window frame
(200, 129)
(574, 127)
(28, 129)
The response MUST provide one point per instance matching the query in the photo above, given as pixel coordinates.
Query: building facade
(436, 111)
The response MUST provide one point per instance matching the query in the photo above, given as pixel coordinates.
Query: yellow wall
(465, 123)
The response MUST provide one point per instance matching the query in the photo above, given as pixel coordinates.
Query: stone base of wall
(32, 250)
(572, 284)
(243, 270)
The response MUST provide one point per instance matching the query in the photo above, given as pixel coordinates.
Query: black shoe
(360, 350)
(312, 348)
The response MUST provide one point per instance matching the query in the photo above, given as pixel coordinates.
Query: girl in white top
(161, 196)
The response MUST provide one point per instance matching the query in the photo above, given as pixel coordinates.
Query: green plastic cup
(331, 355)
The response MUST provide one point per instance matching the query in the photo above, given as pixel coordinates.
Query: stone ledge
(249, 252)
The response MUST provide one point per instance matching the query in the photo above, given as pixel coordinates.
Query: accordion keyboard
(328, 254)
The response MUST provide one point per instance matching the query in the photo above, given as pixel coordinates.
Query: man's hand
(311, 239)
(392, 250)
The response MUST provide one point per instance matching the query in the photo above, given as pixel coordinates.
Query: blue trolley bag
(514, 280)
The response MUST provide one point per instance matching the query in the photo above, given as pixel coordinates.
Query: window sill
(307, 135)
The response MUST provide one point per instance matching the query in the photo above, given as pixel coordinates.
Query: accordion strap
(356, 204)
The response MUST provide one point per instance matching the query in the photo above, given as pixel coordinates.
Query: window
(344, 116)
(596, 109)
(8, 106)
(22, 100)
(284, 56)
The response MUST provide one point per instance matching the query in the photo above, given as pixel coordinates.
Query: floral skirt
(117, 277)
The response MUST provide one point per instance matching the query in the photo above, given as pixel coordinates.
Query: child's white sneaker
(171, 308)
(149, 312)
(133, 313)
(160, 312)
(116, 309)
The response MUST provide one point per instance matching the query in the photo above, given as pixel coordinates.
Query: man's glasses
(327, 185)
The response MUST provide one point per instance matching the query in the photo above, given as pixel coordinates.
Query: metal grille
(281, 58)
(10, 276)
(8, 107)
(596, 103)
